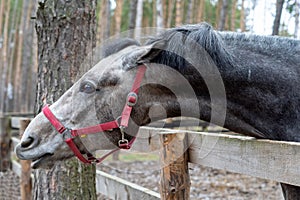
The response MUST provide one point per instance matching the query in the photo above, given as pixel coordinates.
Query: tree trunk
(165, 12)
(233, 15)
(2, 13)
(138, 20)
(12, 56)
(19, 52)
(223, 15)
(171, 7)
(200, 11)
(118, 16)
(178, 19)
(22, 65)
(27, 56)
(218, 11)
(4, 75)
(242, 17)
(32, 83)
(276, 24)
(159, 16)
(2, 6)
(66, 33)
(103, 31)
(132, 17)
(297, 14)
(189, 13)
(154, 13)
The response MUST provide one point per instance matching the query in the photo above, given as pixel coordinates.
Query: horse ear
(151, 51)
(143, 54)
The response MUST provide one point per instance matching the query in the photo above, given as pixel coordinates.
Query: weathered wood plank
(16, 168)
(148, 139)
(117, 188)
(179, 122)
(111, 186)
(15, 121)
(5, 144)
(175, 181)
(26, 181)
(273, 160)
(15, 141)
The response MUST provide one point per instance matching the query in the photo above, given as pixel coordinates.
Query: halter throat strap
(121, 123)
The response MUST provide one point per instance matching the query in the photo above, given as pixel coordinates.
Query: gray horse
(249, 84)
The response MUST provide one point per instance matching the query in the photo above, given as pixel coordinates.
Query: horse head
(175, 83)
(97, 97)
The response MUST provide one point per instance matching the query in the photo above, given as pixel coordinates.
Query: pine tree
(69, 29)
(276, 24)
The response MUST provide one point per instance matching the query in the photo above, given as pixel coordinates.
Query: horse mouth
(38, 162)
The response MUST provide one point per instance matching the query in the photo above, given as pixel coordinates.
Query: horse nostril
(26, 143)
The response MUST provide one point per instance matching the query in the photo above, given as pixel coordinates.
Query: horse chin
(42, 162)
(47, 161)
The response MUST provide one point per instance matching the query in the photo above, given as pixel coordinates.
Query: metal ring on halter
(132, 99)
(67, 134)
(118, 121)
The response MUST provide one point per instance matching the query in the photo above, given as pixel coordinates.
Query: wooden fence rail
(273, 160)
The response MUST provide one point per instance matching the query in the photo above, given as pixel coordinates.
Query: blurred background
(18, 46)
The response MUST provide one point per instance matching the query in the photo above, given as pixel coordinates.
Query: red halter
(70, 134)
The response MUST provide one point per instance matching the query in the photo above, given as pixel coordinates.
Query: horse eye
(88, 87)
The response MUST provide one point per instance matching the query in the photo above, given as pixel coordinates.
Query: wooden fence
(273, 160)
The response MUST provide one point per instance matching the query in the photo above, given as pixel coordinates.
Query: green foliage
(15, 14)
(210, 12)
(291, 6)
(284, 31)
(130, 157)
(148, 12)
(125, 15)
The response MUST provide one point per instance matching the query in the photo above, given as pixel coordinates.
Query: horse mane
(179, 40)
(220, 46)
(281, 47)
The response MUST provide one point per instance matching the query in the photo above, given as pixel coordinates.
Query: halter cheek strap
(70, 134)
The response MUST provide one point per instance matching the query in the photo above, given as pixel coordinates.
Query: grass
(130, 157)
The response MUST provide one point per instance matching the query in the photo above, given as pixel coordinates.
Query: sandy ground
(206, 183)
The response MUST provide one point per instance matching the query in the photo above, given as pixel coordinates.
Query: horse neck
(167, 92)
(259, 89)
(263, 86)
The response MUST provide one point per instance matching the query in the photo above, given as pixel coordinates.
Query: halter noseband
(121, 123)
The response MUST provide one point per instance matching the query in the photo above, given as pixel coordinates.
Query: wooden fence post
(175, 180)
(26, 182)
(5, 144)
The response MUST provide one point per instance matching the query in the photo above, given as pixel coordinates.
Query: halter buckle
(123, 143)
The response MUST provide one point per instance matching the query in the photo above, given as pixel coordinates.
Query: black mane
(220, 45)
(265, 44)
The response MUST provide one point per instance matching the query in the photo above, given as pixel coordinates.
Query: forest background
(18, 46)
(19, 53)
